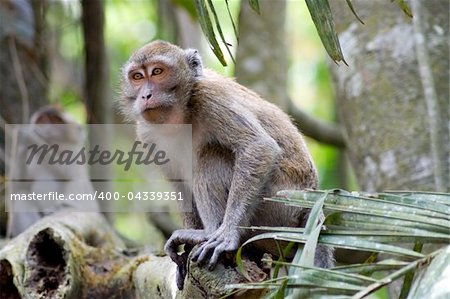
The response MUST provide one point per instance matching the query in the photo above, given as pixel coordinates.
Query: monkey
(244, 149)
(48, 125)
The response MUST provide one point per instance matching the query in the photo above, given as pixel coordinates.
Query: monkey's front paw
(222, 240)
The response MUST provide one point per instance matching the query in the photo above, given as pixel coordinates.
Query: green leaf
(285, 252)
(403, 271)
(402, 4)
(354, 221)
(366, 206)
(323, 20)
(338, 276)
(219, 29)
(258, 285)
(391, 237)
(302, 284)
(305, 256)
(240, 263)
(350, 242)
(350, 5)
(359, 221)
(423, 202)
(232, 21)
(368, 269)
(255, 5)
(409, 277)
(208, 29)
(432, 282)
(281, 290)
(437, 197)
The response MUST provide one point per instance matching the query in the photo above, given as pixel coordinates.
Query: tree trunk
(23, 70)
(98, 102)
(23, 62)
(261, 67)
(393, 99)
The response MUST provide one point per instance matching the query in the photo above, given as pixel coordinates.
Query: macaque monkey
(48, 125)
(244, 149)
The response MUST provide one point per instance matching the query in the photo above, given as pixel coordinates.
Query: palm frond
(204, 10)
(359, 221)
(403, 6)
(319, 10)
(323, 20)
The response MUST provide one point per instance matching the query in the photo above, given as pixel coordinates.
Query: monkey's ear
(195, 61)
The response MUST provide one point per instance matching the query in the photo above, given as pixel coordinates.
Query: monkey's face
(157, 82)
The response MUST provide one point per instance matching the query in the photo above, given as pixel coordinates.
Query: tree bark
(393, 99)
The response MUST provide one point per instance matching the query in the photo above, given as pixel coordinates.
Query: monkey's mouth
(155, 105)
(151, 106)
(150, 109)
(156, 114)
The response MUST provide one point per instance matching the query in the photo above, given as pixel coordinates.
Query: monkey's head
(157, 83)
(53, 125)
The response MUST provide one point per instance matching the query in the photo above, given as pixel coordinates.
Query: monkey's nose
(148, 96)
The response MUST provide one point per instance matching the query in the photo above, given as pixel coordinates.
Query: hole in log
(7, 288)
(46, 264)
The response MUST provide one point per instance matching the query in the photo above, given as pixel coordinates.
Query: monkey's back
(217, 95)
(295, 167)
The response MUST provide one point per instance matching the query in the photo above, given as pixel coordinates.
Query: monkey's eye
(137, 76)
(157, 71)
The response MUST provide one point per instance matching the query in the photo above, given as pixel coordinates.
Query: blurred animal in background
(48, 126)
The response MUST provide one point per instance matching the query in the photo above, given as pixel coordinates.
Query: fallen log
(78, 255)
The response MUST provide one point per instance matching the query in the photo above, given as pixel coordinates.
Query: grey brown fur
(245, 149)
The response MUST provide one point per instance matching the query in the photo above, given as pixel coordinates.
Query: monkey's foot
(188, 237)
(222, 240)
